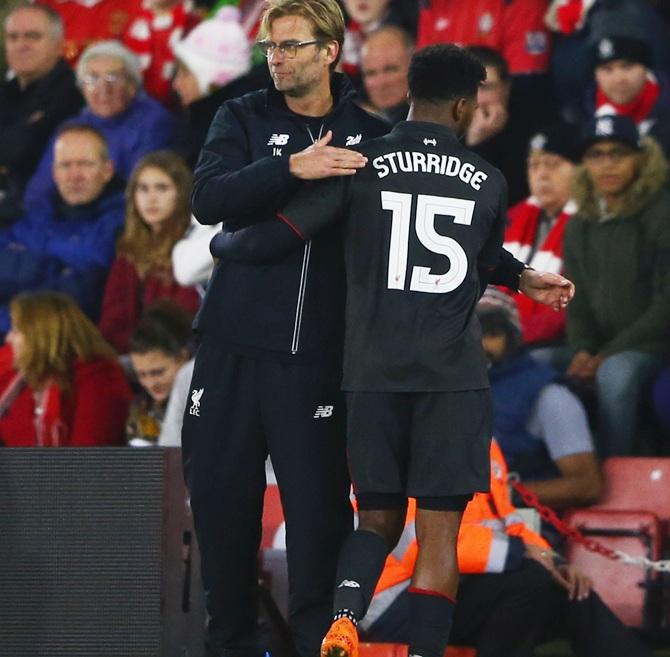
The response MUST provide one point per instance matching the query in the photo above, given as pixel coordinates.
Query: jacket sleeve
(93, 246)
(653, 325)
(482, 549)
(489, 258)
(99, 419)
(258, 244)
(583, 334)
(227, 185)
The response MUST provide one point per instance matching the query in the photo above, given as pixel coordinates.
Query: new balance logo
(427, 141)
(352, 141)
(348, 584)
(278, 139)
(323, 411)
(196, 395)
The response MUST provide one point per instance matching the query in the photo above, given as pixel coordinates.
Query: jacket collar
(340, 87)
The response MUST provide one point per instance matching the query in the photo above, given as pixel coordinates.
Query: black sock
(430, 615)
(361, 563)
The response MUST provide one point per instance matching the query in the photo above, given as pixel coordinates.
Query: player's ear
(331, 49)
(458, 110)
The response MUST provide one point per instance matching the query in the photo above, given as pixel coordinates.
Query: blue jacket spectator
(132, 123)
(68, 243)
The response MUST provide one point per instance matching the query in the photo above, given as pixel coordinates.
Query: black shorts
(431, 445)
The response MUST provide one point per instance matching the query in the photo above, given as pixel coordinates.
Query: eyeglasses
(616, 155)
(108, 80)
(287, 49)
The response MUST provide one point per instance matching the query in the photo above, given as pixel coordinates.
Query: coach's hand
(322, 161)
(550, 289)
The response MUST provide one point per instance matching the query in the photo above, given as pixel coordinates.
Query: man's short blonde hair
(325, 16)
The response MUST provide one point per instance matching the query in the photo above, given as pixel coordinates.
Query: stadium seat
(638, 484)
(632, 515)
(631, 592)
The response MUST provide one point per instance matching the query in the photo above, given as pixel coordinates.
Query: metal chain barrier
(549, 515)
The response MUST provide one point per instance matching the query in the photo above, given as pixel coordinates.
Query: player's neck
(432, 114)
(316, 102)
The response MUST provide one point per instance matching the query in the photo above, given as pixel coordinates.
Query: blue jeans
(620, 382)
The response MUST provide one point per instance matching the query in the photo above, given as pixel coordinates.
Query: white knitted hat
(217, 50)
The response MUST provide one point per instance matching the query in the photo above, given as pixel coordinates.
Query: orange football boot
(341, 640)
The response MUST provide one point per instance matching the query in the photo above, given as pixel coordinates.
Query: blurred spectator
(170, 435)
(157, 215)
(60, 382)
(385, 60)
(578, 24)
(158, 349)
(494, 133)
(617, 250)
(89, 21)
(364, 17)
(536, 224)
(515, 28)
(132, 123)
(192, 262)
(7, 8)
(514, 592)
(34, 102)
(67, 243)
(151, 35)
(213, 65)
(625, 84)
(540, 425)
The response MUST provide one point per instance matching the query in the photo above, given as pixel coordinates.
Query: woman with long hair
(60, 382)
(157, 215)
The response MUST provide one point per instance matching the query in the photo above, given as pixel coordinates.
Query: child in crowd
(157, 215)
(158, 349)
(60, 382)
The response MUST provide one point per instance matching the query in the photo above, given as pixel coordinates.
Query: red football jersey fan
(88, 21)
(513, 27)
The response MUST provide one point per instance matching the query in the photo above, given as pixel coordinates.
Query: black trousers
(240, 409)
(508, 614)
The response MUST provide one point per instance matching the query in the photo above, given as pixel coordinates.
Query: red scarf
(638, 109)
(539, 324)
(151, 37)
(520, 235)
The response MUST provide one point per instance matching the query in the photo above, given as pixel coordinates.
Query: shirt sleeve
(316, 205)
(559, 418)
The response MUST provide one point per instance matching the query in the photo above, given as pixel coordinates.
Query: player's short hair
(325, 16)
(492, 58)
(444, 72)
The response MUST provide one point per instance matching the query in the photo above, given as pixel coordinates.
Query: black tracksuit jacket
(290, 309)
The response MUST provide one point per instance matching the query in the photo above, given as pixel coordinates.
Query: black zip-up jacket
(292, 308)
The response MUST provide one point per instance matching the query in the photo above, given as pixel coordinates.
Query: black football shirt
(421, 218)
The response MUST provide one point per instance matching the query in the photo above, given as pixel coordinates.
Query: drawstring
(311, 136)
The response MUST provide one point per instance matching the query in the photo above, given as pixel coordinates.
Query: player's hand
(549, 289)
(574, 581)
(322, 161)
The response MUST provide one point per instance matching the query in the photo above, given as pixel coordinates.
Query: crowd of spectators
(105, 106)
